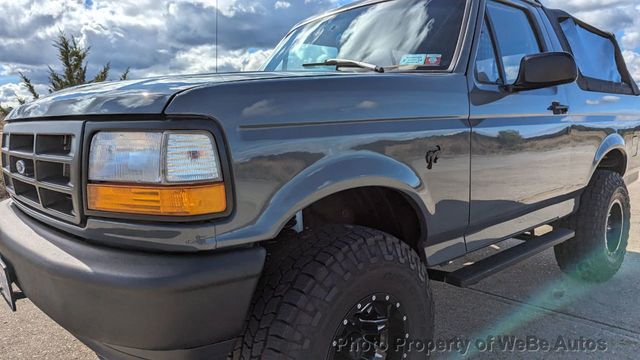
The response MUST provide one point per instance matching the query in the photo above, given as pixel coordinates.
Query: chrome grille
(40, 166)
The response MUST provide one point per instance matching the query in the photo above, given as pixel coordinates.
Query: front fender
(326, 177)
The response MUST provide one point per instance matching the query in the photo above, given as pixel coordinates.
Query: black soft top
(628, 87)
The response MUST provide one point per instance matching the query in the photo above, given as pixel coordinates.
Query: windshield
(413, 33)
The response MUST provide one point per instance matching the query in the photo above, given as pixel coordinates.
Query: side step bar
(473, 274)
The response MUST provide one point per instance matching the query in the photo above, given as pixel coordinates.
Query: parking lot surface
(531, 301)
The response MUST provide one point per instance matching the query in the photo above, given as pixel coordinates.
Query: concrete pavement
(531, 300)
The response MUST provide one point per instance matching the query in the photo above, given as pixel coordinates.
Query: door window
(515, 36)
(510, 29)
(487, 70)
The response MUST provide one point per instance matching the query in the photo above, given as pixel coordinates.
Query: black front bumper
(125, 303)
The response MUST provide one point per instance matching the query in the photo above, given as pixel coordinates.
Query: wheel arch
(345, 176)
(612, 155)
(351, 181)
(383, 208)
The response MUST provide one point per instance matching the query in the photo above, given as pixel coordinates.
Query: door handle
(558, 109)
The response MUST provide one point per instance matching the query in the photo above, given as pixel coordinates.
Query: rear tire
(321, 286)
(602, 230)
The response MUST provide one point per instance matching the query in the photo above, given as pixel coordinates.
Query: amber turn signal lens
(158, 200)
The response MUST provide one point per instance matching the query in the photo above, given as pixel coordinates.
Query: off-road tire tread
(575, 257)
(297, 284)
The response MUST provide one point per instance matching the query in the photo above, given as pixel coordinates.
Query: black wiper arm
(338, 63)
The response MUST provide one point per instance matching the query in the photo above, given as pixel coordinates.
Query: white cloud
(202, 59)
(152, 37)
(631, 40)
(11, 92)
(282, 4)
(616, 16)
(633, 63)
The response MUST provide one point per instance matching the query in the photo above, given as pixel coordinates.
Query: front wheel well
(380, 208)
(614, 160)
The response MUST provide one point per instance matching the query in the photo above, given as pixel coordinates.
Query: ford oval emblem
(21, 167)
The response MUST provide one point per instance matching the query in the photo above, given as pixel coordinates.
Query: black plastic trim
(217, 351)
(473, 274)
(135, 300)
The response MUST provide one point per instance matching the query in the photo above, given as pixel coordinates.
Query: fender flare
(612, 142)
(327, 177)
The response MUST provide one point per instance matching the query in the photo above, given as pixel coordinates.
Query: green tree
(73, 57)
(4, 111)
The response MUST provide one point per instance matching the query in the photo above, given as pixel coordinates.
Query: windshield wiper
(345, 63)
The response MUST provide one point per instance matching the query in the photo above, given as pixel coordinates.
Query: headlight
(171, 173)
(126, 157)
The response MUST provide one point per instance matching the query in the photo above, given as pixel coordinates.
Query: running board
(473, 274)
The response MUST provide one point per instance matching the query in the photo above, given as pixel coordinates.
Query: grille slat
(45, 157)
(5, 161)
(5, 141)
(24, 179)
(55, 158)
(40, 165)
(7, 181)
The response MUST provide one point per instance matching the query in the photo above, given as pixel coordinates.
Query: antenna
(217, 17)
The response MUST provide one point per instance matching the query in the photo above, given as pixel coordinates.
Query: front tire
(602, 230)
(336, 292)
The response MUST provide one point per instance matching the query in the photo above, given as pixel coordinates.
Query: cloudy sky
(156, 37)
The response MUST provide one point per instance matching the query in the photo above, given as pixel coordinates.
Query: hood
(147, 96)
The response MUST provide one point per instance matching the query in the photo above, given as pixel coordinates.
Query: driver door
(520, 148)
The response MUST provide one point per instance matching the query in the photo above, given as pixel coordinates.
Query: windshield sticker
(433, 60)
(413, 59)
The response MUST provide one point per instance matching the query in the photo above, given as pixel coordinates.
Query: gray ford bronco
(296, 211)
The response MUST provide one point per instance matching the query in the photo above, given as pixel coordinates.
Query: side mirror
(545, 70)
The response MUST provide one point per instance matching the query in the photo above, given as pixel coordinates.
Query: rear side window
(595, 54)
